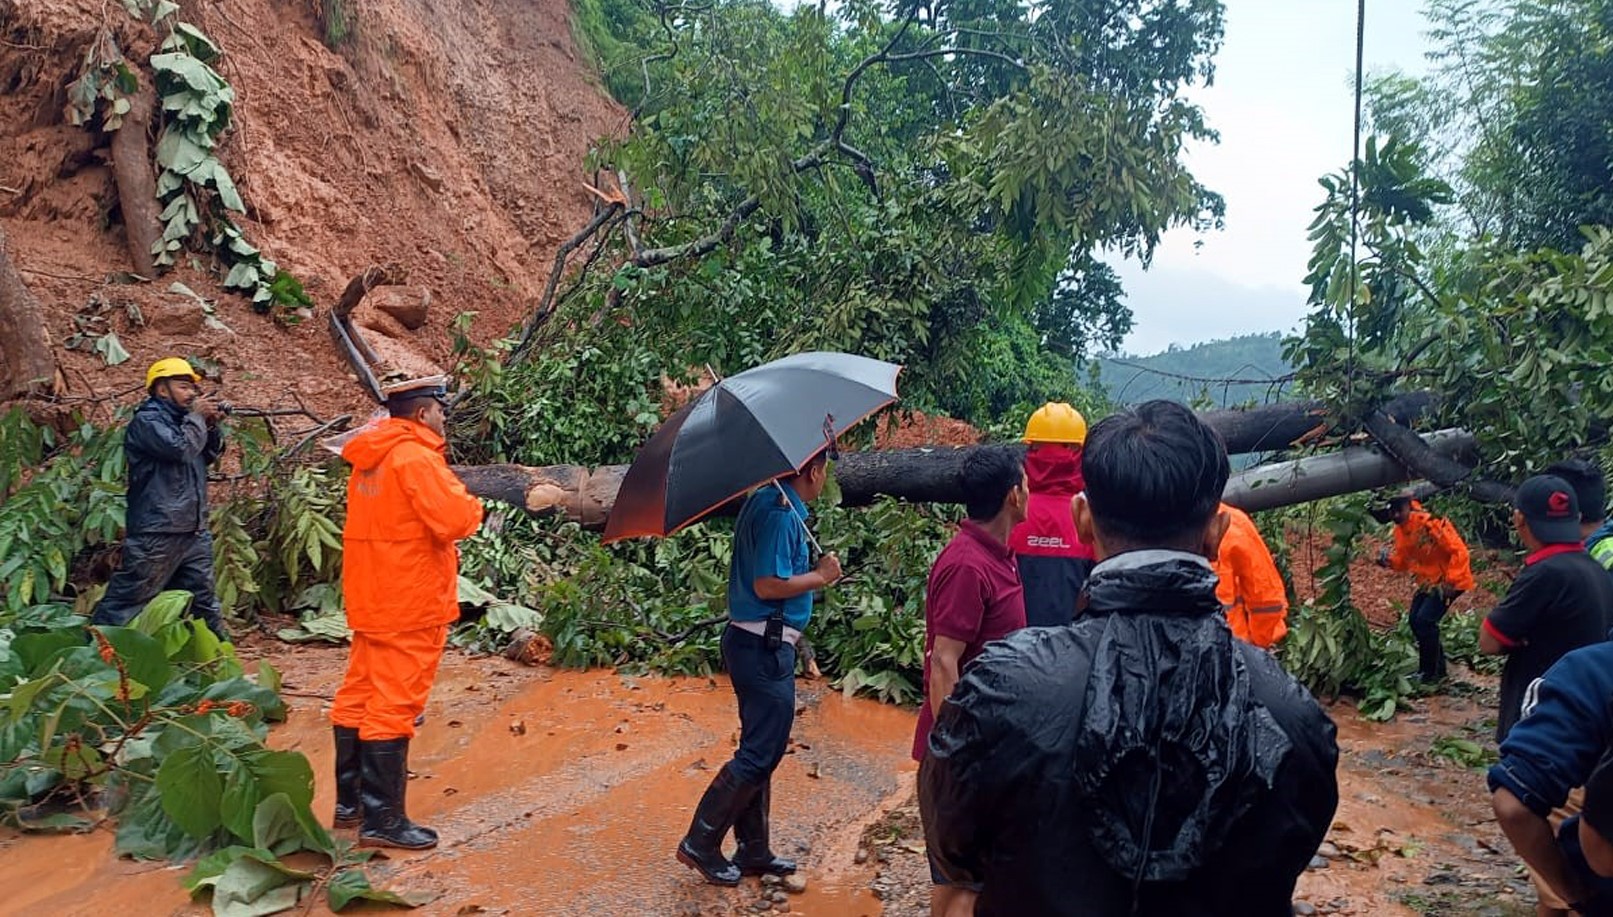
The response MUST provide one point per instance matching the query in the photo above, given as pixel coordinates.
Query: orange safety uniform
(1427, 547)
(1251, 589)
(400, 573)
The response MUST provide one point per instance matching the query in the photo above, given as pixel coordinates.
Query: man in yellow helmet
(168, 445)
(1053, 563)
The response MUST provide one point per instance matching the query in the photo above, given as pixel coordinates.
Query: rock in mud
(407, 304)
(1318, 862)
(861, 857)
(1304, 908)
(780, 897)
(795, 883)
(1329, 850)
(769, 880)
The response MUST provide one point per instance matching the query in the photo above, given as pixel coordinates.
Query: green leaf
(353, 885)
(161, 611)
(239, 805)
(111, 349)
(191, 790)
(227, 193)
(178, 152)
(143, 656)
(251, 888)
(274, 821)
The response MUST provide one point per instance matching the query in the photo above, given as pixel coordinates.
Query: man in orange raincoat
(400, 583)
(1250, 586)
(1427, 547)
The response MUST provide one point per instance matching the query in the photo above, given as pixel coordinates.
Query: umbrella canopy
(746, 430)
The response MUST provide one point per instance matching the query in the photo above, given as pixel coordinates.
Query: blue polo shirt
(769, 540)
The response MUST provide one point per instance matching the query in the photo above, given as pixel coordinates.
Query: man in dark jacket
(168, 445)
(1567, 725)
(1142, 760)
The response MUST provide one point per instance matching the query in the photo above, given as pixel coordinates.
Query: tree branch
(546, 304)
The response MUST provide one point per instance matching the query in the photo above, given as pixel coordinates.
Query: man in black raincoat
(169, 443)
(1141, 760)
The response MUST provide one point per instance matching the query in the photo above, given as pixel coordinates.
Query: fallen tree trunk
(137, 183)
(1351, 469)
(585, 495)
(27, 361)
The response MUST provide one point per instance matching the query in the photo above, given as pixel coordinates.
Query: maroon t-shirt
(973, 596)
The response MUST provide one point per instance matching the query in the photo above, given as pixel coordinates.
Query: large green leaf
(275, 825)
(161, 611)
(191, 790)
(353, 885)
(250, 887)
(178, 152)
(36, 650)
(143, 657)
(238, 805)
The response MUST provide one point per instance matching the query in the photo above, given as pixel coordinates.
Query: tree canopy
(928, 184)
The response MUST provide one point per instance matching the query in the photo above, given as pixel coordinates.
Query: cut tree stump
(27, 359)
(137, 182)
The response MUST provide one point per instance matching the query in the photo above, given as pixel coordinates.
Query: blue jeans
(764, 684)
(153, 563)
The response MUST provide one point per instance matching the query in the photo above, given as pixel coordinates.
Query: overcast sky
(1283, 101)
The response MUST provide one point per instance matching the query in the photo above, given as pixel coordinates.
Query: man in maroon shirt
(974, 597)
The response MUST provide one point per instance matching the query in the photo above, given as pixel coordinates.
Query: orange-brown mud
(555, 792)
(562, 792)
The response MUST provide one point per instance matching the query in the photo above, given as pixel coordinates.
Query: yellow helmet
(1056, 422)
(168, 368)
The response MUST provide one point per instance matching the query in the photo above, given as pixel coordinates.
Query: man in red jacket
(400, 584)
(1053, 563)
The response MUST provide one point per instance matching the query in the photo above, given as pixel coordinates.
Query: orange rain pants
(389, 676)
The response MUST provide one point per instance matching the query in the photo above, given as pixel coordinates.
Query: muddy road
(561, 792)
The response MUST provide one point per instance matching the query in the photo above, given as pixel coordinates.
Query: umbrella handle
(798, 518)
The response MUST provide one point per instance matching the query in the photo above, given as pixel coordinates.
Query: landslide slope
(447, 136)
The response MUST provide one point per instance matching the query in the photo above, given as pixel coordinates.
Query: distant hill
(1181, 373)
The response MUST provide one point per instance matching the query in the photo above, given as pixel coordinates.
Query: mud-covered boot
(755, 854)
(349, 776)
(701, 848)
(386, 774)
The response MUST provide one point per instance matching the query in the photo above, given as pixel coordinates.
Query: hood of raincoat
(1171, 748)
(1055, 469)
(366, 450)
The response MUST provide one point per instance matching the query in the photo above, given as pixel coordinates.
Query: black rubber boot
(349, 777)
(386, 773)
(701, 848)
(755, 854)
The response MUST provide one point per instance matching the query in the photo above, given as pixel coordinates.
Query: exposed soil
(447, 137)
(565, 792)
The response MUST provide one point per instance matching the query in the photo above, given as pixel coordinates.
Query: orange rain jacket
(1251, 588)
(405, 510)
(1428, 548)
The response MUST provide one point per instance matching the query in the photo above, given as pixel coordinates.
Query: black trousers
(153, 563)
(1427, 609)
(764, 684)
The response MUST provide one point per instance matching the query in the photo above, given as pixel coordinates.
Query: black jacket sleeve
(150, 433)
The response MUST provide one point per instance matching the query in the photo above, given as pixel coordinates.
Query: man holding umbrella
(770, 587)
(771, 428)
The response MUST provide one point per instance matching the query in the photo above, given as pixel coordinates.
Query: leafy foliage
(1329, 646)
(158, 724)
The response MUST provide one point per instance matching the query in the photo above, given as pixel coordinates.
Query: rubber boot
(755, 854)
(349, 776)
(701, 848)
(386, 774)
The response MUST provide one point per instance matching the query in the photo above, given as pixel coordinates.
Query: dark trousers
(1427, 608)
(764, 683)
(153, 563)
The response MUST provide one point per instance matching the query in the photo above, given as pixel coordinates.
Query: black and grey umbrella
(746, 430)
